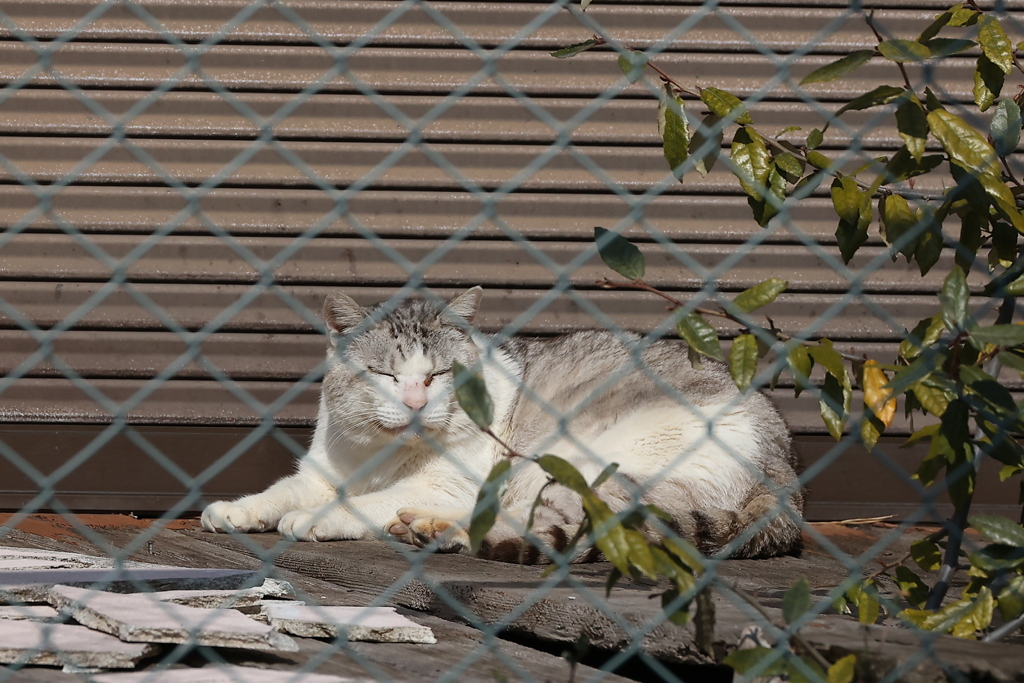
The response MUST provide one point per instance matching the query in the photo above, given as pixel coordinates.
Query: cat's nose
(414, 395)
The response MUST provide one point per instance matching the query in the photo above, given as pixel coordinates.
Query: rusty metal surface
(395, 213)
(417, 70)
(352, 117)
(782, 28)
(488, 166)
(194, 305)
(466, 263)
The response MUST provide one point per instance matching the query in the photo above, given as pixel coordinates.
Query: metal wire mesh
(560, 155)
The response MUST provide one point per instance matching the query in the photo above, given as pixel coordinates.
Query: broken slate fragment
(376, 624)
(33, 585)
(224, 674)
(142, 618)
(243, 597)
(30, 613)
(28, 642)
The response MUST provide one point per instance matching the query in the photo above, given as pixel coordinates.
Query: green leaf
(564, 473)
(963, 143)
(926, 554)
(935, 401)
(994, 43)
(897, 220)
(931, 102)
(800, 363)
(945, 47)
(933, 28)
(977, 618)
(605, 474)
(838, 68)
(925, 333)
(748, 661)
(751, 161)
(632, 64)
(700, 138)
(760, 294)
(988, 83)
(853, 207)
(843, 670)
(929, 244)
(743, 360)
(999, 530)
(913, 588)
(674, 130)
(902, 166)
(724, 104)
(797, 600)
(1000, 335)
(901, 51)
(834, 406)
(1004, 245)
(798, 675)
(1011, 598)
(963, 15)
(953, 299)
(768, 206)
(1005, 127)
(814, 139)
(913, 373)
(791, 167)
(972, 223)
(998, 558)
(883, 94)
(619, 254)
(866, 601)
(472, 395)
(871, 428)
(912, 123)
(700, 336)
(488, 504)
(576, 48)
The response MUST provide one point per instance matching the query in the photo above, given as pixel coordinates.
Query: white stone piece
(375, 624)
(243, 597)
(142, 618)
(43, 613)
(224, 674)
(259, 610)
(33, 585)
(28, 642)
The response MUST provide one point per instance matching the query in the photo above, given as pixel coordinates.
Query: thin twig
(869, 19)
(933, 537)
(511, 451)
(1009, 171)
(642, 286)
(800, 640)
(668, 79)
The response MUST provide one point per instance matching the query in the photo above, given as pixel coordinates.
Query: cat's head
(388, 374)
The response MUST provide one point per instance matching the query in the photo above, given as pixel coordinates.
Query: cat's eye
(431, 376)
(381, 373)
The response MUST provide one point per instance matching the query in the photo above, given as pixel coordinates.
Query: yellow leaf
(876, 396)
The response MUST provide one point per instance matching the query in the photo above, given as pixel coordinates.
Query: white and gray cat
(394, 455)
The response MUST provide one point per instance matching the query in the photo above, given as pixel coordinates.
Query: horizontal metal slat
(464, 166)
(487, 23)
(441, 71)
(356, 117)
(194, 305)
(403, 214)
(464, 263)
(197, 402)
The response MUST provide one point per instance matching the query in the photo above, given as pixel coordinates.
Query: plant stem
(642, 286)
(799, 639)
(958, 522)
(933, 537)
(869, 19)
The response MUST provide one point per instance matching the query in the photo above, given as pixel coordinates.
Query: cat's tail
(764, 525)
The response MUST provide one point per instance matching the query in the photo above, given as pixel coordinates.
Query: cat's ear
(342, 313)
(463, 307)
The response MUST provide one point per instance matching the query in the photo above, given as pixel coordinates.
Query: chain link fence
(196, 177)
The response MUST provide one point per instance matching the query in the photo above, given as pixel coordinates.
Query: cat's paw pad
(443, 535)
(226, 517)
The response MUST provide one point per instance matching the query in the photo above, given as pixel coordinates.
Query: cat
(394, 455)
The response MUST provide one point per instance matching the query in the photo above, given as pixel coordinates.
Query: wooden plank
(344, 261)
(440, 71)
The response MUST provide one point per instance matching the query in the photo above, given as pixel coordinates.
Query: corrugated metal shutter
(187, 134)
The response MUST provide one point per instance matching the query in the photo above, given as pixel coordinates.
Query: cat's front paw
(321, 525)
(421, 529)
(227, 517)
